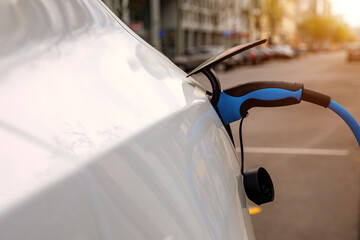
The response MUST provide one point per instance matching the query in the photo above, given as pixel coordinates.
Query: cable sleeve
(347, 117)
(315, 97)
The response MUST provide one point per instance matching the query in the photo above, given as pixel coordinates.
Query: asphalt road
(310, 153)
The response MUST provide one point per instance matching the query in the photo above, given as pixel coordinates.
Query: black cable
(241, 147)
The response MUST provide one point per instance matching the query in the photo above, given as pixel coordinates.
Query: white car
(103, 137)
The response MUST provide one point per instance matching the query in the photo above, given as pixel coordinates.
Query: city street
(310, 153)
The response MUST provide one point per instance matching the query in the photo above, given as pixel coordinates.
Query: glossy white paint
(102, 137)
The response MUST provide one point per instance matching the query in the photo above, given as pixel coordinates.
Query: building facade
(175, 26)
(191, 23)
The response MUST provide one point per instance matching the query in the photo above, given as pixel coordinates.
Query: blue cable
(347, 117)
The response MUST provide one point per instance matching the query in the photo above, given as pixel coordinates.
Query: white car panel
(103, 138)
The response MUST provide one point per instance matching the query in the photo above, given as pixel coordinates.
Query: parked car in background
(195, 56)
(267, 52)
(103, 137)
(251, 57)
(301, 49)
(353, 51)
(238, 59)
(283, 51)
(261, 55)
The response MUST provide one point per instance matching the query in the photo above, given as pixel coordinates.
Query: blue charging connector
(233, 108)
(234, 103)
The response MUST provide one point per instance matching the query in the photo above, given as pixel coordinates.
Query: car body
(103, 137)
(195, 56)
(353, 51)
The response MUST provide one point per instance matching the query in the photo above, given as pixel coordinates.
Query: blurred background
(311, 155)
(177, 26)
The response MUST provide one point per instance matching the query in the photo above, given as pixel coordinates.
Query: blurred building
(323, 7)
(196, 24)
(310, 8)
(191, 23)
(174, 26)
(292, 13)
(284, 14)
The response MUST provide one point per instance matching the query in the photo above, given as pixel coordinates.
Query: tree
(322, 29)
(273, 11)
(342, 34)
